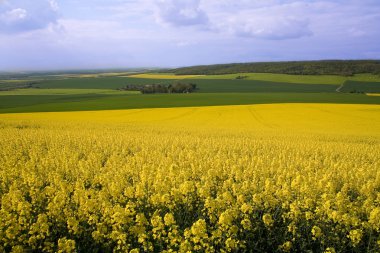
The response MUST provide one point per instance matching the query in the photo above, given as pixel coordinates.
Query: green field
(91, 83)
(100, 93)
(51, 103)
(223, 85)
(364, 87)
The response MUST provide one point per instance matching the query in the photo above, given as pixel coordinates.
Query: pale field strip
(39, 91)
(163, 76)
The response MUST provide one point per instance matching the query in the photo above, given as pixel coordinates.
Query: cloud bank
(130, 33)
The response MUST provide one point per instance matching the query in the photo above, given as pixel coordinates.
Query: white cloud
(20, 15)
(54, 5)
(14, 15)
(272, 28)
(271, 20)
(181, 12)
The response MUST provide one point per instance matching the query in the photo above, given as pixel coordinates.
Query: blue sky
(69, 34)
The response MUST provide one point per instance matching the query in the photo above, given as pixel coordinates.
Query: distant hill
(327, 67)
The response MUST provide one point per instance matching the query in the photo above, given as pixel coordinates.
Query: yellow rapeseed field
(255, 178)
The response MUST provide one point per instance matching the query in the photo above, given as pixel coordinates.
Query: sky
(84, 34)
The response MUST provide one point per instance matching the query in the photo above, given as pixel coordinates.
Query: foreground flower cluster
(116, 187)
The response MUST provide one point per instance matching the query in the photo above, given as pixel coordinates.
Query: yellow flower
(355, 236)
(17, 249)
(169, 219)
(286, 246)
(199, 229)
(309, 215)
(374, 218)
(156, 221)
(66, 245)
(268, 220)
(316, 232)
(226, 218)
(231, 244)
(246, 223)
(246, 208)
(330, 250)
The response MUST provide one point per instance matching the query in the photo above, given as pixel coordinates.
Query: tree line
(162, 88)
(330, 67)
(8, 86)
